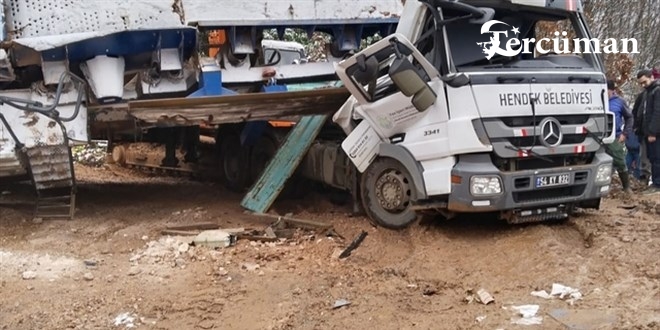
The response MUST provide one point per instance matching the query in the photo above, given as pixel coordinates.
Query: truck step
(271, 182)
(51, 168)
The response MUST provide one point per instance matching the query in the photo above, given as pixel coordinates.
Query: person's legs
(653, 152)
(645, 164)
(618, 154)
(632, 163)
(637, 172)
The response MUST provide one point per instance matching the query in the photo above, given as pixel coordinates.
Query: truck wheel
(232, 162)
(387, 191)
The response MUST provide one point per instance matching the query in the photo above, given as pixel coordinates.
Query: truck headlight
(604, 173)
(485, 185)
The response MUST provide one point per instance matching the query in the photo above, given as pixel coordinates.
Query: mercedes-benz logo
(551, 134)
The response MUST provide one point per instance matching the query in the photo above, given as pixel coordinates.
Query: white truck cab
(439, 121)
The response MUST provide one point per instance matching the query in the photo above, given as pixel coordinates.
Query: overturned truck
(423, 121)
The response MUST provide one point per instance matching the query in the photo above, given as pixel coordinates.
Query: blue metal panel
(125, 43)
(211, 85)
(264, 192)
(274, 88)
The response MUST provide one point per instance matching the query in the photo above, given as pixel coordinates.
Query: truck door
(400, 100)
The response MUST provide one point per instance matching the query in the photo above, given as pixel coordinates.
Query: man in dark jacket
(623, 122)
(647, 125)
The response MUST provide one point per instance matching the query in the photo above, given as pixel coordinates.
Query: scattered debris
(90, 263)
(178, 262)
(293, 222)
(134, 271)
(88, 276)
(565, 292)
(541, 294)
(183, 247)
(356, 242)
(480, 318)
(217, 238)
(189, 229)
(484, 297)
(29, 275)
(429, 291)
(257, 235)
(125, 319)
(341, 303)
(194, 226)
(269, 232)
(249, 266)
(173, 232)
(528, 313)
(561, 291)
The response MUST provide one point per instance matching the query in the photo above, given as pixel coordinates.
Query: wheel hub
(392, 191)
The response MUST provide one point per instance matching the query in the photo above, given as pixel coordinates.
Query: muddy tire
(387, 191)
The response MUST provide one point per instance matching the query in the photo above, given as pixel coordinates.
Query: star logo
(515, 30)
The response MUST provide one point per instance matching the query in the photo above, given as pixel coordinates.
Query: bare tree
(622, 19)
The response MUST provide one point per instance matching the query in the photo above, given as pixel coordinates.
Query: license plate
(553, 180)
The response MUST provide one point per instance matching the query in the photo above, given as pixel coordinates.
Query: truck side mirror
(406, 77)
(367, 69)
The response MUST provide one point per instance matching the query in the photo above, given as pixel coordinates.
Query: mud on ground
(111, 268)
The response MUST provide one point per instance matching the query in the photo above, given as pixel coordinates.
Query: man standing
(623, 121)
(647, 125)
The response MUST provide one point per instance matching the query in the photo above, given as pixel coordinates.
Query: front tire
(387, 192)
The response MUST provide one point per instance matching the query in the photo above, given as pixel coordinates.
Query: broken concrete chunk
(183, 247)
(217, 238)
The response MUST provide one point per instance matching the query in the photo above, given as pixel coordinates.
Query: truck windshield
(515, 39)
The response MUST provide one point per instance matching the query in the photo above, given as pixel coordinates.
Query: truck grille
(548, 194)
(517, 141)
(529, 120)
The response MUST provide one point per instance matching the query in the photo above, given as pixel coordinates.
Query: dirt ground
(111, 268)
